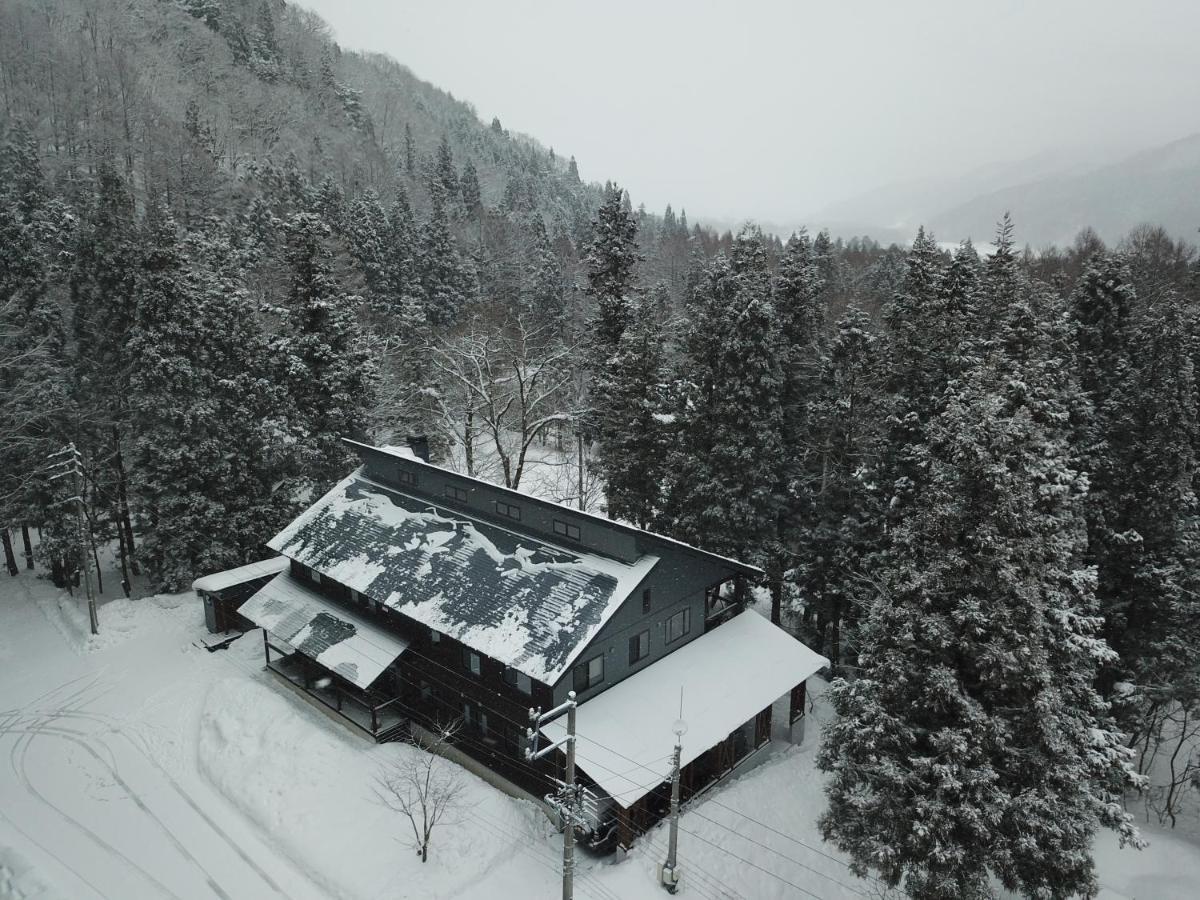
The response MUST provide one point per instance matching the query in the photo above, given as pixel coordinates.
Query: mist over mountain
(1051, 196)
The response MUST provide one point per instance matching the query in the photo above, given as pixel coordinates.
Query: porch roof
(219, 581)
(338, 639)
(624, 735)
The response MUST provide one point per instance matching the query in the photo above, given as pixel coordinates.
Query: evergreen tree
(213, 439)
(332, 374)
(446, 282)
(835, 546)
(610, 260)
(444, 173)
(974, 743)
(469, 185)
(725, 468)
(368, 234)
(410, 153)
(542, 292)
(633, 432)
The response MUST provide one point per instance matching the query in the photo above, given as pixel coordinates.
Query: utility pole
(71, 466)
(669, 873)
(568, 798)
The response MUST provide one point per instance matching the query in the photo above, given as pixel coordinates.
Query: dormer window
(508, 510)
(566, 529)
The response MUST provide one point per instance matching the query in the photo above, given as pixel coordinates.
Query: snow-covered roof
(624, 735)
(219, 581)
(407, 455)
(530, 604)
(341, 641)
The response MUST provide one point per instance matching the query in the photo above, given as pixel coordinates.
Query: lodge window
(483, 723)
(314, 576)
(508, 510)
(435, 636)
(519, 680)
(679, 625)
(589, 674)
(406, 478)
(645, 601)
(456, 493)
(471, 661)
(639, 647)
(426, 692)
(357, 597)
(566, 529)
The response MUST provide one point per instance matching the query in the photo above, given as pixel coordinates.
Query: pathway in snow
(84, 798)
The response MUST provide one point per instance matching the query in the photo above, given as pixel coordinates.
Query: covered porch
(726, 681)
(331, 655)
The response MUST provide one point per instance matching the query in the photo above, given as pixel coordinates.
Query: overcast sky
(770, 110)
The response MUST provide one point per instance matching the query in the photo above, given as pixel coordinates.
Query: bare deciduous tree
(513, 382)
(424, 786)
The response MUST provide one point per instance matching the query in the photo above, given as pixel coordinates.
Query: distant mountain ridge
(1051, 197)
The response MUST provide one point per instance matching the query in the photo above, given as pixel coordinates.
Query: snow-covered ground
(138, 765)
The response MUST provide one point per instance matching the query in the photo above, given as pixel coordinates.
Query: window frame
(456, 494)
(472, 662)
(566, 529)
(642, 647)
(646, 602)
(508, 510)
(587, 683)
(685, 617)
(406, 478)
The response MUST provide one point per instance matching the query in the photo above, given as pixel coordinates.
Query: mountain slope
(1160, 186)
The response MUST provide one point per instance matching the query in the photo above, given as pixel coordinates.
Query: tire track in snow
(115, 726)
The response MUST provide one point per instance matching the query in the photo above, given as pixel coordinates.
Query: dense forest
(970, 476)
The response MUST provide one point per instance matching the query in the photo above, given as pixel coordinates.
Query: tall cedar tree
(611, 257)
(446, 282)
(834, 548)
(200, 388)
(633, 427)
(332, 375)
(800, 307)
(974, 744)
(102, 284)
(725, 469)
(1141, 445)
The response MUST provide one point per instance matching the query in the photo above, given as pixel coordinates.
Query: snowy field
(138, 765)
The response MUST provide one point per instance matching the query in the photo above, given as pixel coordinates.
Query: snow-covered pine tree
(801, 319)
(1141, 440)
(446, 282)
(469, 187)
(633, 431)
(444, 173)
(610, 259)
(542, 291)
(367, 234)
(834, 547)
(915, 380)
(332, 376)
(725, 470)
(974, 744)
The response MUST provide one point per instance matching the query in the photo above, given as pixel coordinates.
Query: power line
(753, 865)
(781, 854)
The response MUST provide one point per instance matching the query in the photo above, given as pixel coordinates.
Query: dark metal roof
(523, 601)
(340, 640)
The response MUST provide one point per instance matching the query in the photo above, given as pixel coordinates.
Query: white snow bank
(311, 788)
(122, 619)
(20, 881)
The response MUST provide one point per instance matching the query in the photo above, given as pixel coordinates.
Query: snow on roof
(727, 676)
(529, 604)
(407, 454)
(341, 641)
(219, 581)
